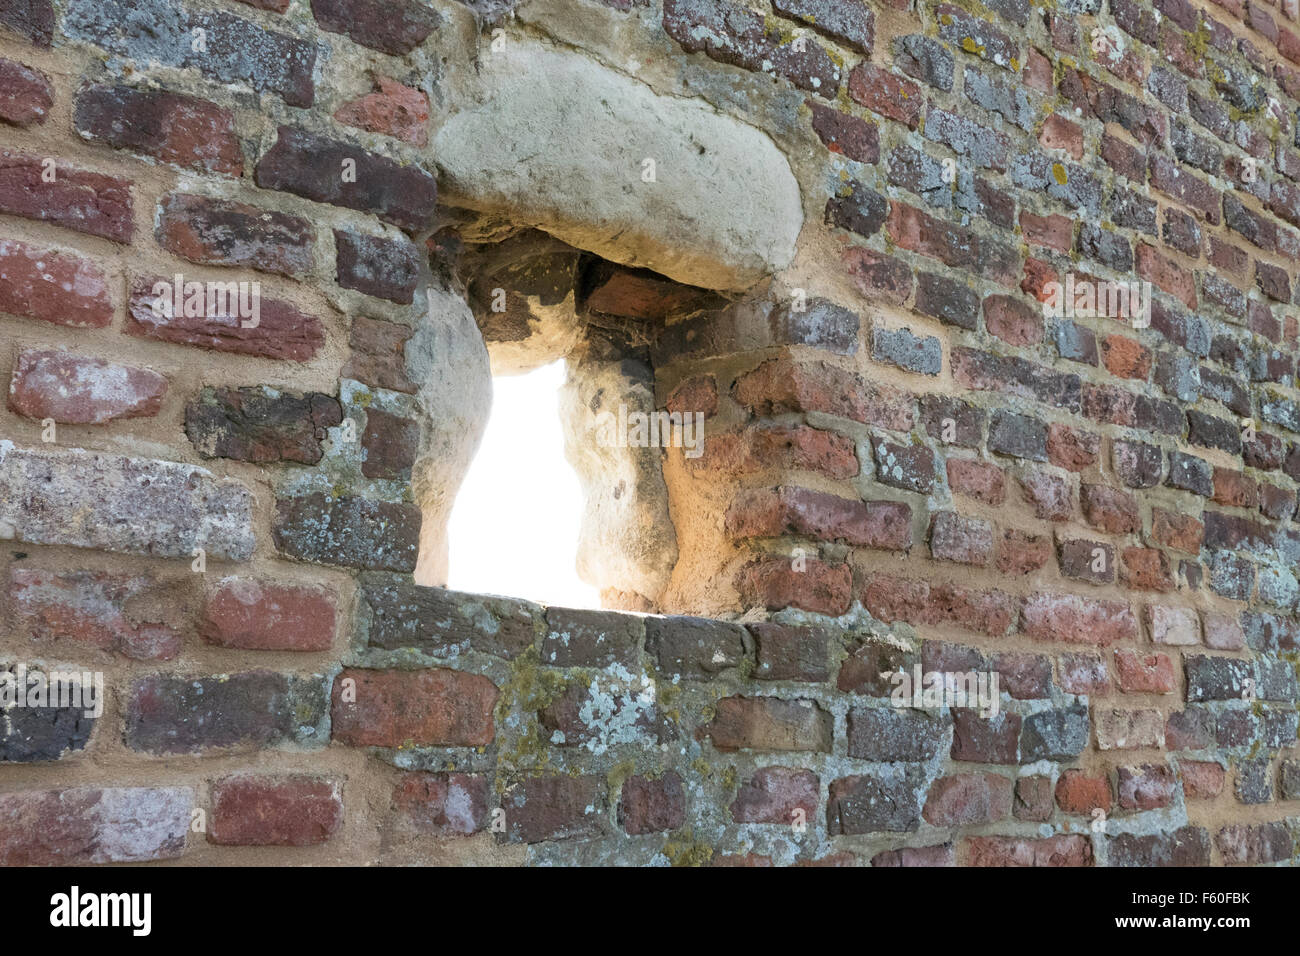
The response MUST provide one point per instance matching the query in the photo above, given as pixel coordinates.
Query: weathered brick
(223, 232)
(391, 109)
(774, 584)
(777, 795)
(448, 804)
(92, 203)
(652, 804)
(432, 708)
(249, 614)
(792, 510)
(395, 27)
(63, 497)
(88, 825)
(1054, 851)
(260, 425)
(53, 286)
(869, 804)
(734, 34)
(769, 723)
(235, 50)
(26, 94)
(385, 268)
(348, 531)
(544, 808)
(275, 811)
(1077, 620)
(96, 609)
(587, 638)
(311, 166)
(282, 331)
(78, 390)
(957, 538)
(252, 710)
(1128, 729)
(968, 799)
(181, 130)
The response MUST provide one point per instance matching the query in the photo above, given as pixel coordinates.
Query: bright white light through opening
(514, 527)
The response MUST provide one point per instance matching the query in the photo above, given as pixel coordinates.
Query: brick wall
(908, 463)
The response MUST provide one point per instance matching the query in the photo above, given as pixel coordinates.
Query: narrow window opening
(515, 525)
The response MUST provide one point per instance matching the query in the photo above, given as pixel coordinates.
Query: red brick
(980, 480)
(1222, 632)
(1071, 448)
(1037, 73)
(845, 134)
(1062, 850)
(1033, 801)
(1232, 487)
(1149, 787)
(777, 795)
(1053, 232)
(449, 804)
(86, 202)
(1019, 552)
(1078, 791)
(275, 811)
(1138, 673)
(1178, 531)
(960, 539)
(652, 804)
(58, 287)
(908, 856)
(774, 583)
(76, 390)
(878, 276)
(891, 598)
(1013, 321)
(1083, 674)
(1146, 569)
(789, 510)
(308, 165)
(1059, 133)
(954, 245)
(783, 385)
(94, 609)
(1164, 274)
(282, 332)
(439, 708)
(1109, 509)
(1202, 779)
(254, 615)
(544, 808)
(1077, 620)
(886, 93)
(112, 825)
(180, 130)
(968, 799)
(227, 233)
(26, 94)
(1126, 357)
(379, 354)
(781, 448)
(392, 109)
(696, 394)
(395, 27)
(1049, 494)
(769, 723)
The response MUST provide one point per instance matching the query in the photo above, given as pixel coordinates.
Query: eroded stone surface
(567, 155)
